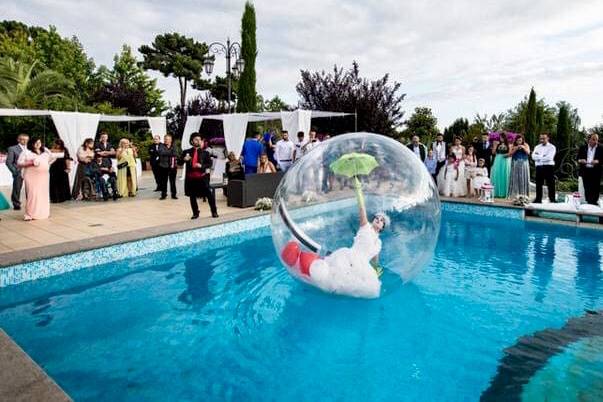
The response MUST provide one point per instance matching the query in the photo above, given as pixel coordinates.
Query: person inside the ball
(352, 271)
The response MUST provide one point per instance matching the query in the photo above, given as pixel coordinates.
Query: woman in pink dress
(36, 162)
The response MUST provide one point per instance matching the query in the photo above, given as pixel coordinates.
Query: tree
(218, 88)
(422, 123)
(598, 129)
(531, 119)
(492, 123)
(128, 87)
(459, 128)
(246, 91)
(21, 87)
(275, 104)
(546, 119)
(175, 55)
(377, 103)
(47, 50)
(201, 105)
(566, 139)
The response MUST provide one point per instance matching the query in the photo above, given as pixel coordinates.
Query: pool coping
(21, 379)
(76, 246)
(71, 247)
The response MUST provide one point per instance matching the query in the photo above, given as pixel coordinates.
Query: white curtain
(73, 129)
(298, 120)
(158, 126)
(193, 124)
(235, 127)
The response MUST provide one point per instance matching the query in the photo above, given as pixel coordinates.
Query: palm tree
(21, 87)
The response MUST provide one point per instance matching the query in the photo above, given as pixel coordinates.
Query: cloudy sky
(458, 57)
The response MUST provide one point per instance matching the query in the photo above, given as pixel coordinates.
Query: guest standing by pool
(519, 182)
(196, 183)
(458, 150)
(417, 148)
(483, 150)
(59, 173)
(431, 164)
(154, 160)
(12, 164)
(85, 156)
(35, 162)
(284, 152)
(544, 158)
(168, 167)
(590, 157)
(440, 152)
(470, 166)
(252, 149)
(126, 169)
(501, 168)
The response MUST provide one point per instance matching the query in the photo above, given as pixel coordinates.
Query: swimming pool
(224, 321)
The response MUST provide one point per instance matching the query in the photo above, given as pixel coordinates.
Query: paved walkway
(79, 225)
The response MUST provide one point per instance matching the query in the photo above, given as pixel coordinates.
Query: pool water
(200, 323)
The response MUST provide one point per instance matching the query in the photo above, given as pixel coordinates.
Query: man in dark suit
(483, 150)
(154, 161)
(589, 158)
(417, 148)
(196, 183)
(11, 163)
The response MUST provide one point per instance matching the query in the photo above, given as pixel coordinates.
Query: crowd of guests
(44, 172)
(266, 153)
(462, 170)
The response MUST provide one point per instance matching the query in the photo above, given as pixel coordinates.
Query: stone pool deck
(77, 225)
(21, 379)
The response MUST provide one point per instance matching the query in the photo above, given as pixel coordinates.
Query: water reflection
(197, 273)
(588, 272)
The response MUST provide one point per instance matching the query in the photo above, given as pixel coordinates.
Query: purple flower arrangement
(495, 135)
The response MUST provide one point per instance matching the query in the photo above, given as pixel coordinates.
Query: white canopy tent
(235, 124)
(74, 127)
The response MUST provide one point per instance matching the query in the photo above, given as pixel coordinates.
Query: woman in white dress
(460, 185)
(470, 166)
(350, 271)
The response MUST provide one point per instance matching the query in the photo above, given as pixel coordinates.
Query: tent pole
(356, 120)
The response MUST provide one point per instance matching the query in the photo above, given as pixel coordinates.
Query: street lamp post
(230, 50)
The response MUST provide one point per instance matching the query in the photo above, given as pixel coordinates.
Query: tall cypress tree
(247, 99)
(563, 137)
(531, 122)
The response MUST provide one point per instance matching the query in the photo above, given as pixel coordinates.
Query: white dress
(447, 186)
(348, 271)
(460, 186)
(481, 178)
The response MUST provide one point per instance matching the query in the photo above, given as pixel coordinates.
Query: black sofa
(244, 193)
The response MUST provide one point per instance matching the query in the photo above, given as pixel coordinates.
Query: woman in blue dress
(519, 183)
(501, 168)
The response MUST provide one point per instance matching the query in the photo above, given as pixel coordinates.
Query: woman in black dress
(59, 173)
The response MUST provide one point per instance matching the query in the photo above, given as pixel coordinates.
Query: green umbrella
(352, 165)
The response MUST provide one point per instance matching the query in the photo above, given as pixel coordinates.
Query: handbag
(122, 165)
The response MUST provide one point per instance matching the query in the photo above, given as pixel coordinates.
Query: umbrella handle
(359, 194)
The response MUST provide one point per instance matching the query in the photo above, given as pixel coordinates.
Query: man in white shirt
(311, 144)
(544, 158)
(439, 152)
(298, 146)
(417, 148)
(284, 151)
(11, 163)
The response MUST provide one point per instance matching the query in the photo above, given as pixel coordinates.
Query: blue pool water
(214, 324)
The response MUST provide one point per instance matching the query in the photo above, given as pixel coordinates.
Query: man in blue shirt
(252, 150)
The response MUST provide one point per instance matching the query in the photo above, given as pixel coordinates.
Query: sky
(458, 57)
